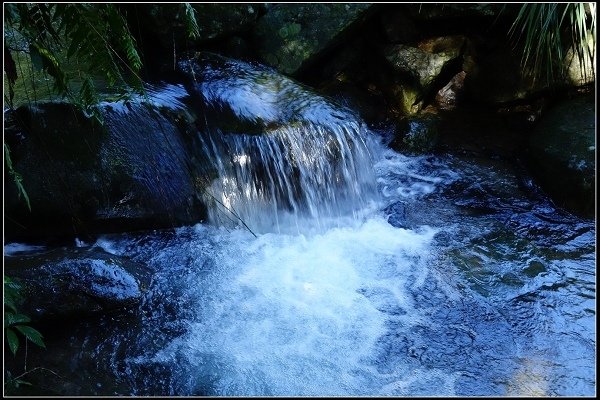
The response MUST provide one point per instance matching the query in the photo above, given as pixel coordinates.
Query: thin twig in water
(232, 212)
(36, 368)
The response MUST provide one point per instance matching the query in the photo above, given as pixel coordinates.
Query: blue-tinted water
(436, 276)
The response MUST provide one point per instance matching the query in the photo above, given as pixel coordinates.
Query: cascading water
(308, 164)
(291, 177)
(372, 273)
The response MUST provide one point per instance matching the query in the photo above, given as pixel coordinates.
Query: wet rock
(417, 134)
(230, 89)
(291, 36)
(299, 140)
(73, 283)
(135, 171)
(396, 215)
(562, 154)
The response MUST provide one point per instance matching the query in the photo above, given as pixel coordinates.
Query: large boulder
(498, 77)
(562, 149)
(397, 25)
(427, 66)
(71, 283)
(291, 36)
(136, 170)
(284, 144)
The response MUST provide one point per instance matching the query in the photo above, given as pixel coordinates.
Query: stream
(359, 271)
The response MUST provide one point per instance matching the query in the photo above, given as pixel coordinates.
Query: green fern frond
(93, 36)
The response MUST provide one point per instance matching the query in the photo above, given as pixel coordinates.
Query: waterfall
(288, 160)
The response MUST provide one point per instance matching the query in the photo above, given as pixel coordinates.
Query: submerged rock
(257, 98)
(72, 283)
(417, 134)
(562, 154)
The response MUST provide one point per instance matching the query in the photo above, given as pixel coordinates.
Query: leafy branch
(14, 322)
(95, 37)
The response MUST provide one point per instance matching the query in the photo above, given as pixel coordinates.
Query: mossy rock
(291, 36)
(425, 68)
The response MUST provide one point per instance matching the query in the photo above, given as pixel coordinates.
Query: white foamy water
(295, 315)
(11, 249)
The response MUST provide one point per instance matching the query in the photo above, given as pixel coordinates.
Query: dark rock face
(397, 26)
(562, 154)
(72, 283)
(290, 36)
(135, 171)
(417, 134)
(219, 20)
(499, 78)
(164, 30)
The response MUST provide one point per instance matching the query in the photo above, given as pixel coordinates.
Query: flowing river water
(357, 271)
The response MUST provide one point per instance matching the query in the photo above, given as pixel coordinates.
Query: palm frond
(547, 30)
